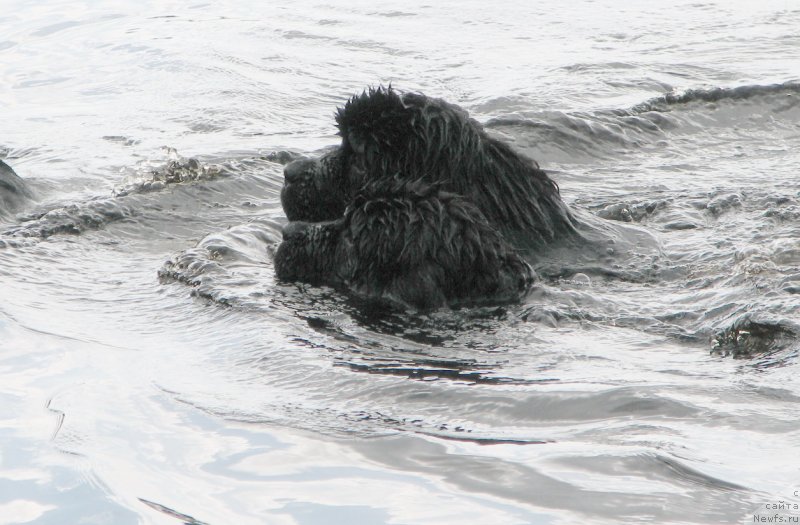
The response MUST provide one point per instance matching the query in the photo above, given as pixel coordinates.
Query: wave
(670, 101)
(72, 219)
(175, 171)
(585, 137)
(228, 267)
(76, 218)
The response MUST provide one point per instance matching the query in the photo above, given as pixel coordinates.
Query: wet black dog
(385, 133)
(409, 244)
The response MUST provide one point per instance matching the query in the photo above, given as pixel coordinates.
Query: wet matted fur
(385, 133)
(408, 243)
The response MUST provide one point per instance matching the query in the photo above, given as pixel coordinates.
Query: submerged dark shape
(408, 243)
(13, 191)
(385, 133)
(750, 336)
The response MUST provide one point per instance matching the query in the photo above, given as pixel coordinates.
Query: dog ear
(376, 121)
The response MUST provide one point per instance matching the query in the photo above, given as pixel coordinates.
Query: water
(154, 372)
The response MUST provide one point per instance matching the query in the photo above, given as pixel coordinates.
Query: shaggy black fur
(409, 243)
(385, 133)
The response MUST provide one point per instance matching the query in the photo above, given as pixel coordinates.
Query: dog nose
(294, 229)
(297, 169)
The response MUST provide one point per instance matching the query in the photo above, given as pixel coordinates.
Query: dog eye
(355, 144)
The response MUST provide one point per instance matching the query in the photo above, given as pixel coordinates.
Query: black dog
(406, 243)
(385, 133)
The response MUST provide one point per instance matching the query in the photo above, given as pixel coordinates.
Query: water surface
(154, 371)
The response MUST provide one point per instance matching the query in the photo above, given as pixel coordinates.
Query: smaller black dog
(407, 243)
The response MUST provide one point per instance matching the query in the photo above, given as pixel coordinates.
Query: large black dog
(491, 201)
(408, 244)
(385, 133)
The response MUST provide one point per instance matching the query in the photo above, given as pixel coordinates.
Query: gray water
(154, 372)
